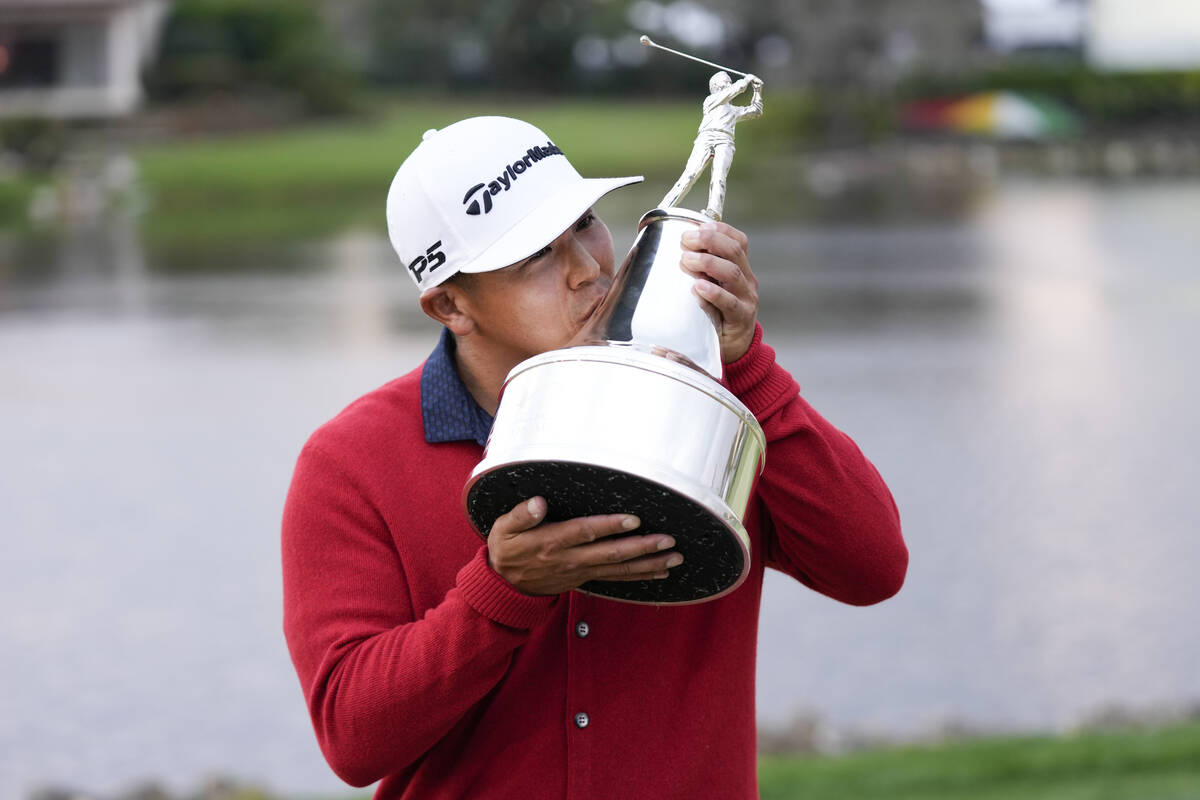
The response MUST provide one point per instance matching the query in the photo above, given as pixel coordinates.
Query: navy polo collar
(448, 410)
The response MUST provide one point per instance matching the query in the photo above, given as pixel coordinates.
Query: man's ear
(446, 304)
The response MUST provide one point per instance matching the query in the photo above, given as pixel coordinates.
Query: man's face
(541, 303)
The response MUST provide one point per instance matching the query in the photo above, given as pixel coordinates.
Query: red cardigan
(426, 670)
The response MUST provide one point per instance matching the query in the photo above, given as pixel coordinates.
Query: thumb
(524, 516)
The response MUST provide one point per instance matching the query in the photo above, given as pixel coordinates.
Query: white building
(75, 58)
(1046, 25)
(1144, 34)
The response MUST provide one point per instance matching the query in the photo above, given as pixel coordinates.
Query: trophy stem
(651, 306)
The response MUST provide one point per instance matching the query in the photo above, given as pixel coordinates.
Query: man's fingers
(584, 530)
(620, 551)
(716, 269)
(719, 239)
(574, 532)
(719, 252)
(641, 569)
(524, 516)
(725, 301)
(541, 558)
(736, 234)
(650, 576)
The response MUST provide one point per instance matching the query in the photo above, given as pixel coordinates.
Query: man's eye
(585, 221)
(538, 254)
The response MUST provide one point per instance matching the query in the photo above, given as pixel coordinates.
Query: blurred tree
(550, 46)
(240, 46)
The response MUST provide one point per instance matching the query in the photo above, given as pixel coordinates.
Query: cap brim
(545, 223)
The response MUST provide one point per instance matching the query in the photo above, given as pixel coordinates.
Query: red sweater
(425, 669)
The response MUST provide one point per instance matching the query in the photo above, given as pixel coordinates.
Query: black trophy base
(713, 558)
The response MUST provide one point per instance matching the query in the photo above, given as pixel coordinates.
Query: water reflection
(1036, 446)
(359, 261)
(1020, 379)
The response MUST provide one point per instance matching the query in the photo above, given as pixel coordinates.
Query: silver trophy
(630, 417)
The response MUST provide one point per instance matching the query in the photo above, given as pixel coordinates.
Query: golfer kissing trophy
(630, 418)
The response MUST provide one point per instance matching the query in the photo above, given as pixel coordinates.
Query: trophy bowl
(631, 419)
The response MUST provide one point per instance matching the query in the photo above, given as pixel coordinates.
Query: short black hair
(463, 280)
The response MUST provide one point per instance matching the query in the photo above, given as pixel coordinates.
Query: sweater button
(582, 630)
(581, 720)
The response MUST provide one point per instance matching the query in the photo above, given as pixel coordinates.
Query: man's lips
(594, 307)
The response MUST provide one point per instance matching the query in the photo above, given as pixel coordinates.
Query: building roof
(52, 10)
(52, 5)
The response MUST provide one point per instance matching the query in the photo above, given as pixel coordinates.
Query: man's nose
(581, 267)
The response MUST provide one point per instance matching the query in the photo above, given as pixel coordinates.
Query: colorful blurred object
(1001, 114)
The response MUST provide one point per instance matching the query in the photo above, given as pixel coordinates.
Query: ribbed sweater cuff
(756, 379)
(495, 598)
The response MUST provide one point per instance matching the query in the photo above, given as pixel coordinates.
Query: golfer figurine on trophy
(714, 142)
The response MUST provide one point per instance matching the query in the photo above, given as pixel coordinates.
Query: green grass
(608, 135)
(335, 160)
(1160, 764)
(1130, 764)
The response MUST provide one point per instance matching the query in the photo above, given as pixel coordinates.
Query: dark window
(28, 63)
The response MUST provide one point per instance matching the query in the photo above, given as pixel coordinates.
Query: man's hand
(717, 255)
(556, 557)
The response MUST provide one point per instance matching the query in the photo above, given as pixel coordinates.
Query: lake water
(1025, 378)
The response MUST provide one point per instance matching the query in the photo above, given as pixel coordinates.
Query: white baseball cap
(482, 194)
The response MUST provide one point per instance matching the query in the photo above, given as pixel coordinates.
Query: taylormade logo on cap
(504, 181)
(463, 201)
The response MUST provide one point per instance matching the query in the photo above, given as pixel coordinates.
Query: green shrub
(38, 143)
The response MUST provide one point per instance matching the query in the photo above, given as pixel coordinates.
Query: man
(715, 140)
(447, 668)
